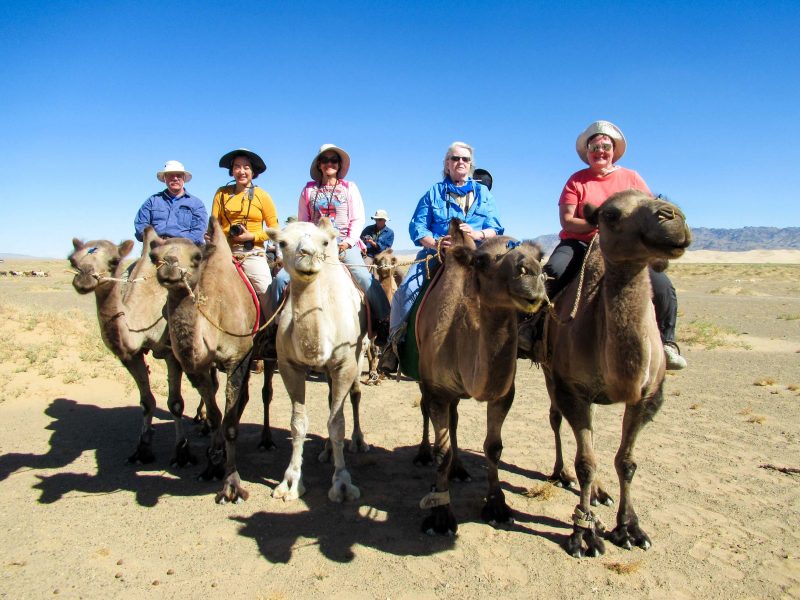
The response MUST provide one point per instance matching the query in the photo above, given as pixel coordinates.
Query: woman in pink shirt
(600, 146)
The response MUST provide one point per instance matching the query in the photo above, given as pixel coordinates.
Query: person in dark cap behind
(484, 177)
(377, 237)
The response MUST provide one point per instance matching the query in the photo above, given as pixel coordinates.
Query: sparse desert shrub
(624, 568)
(541, 492)
(764, 381)
(756, 419)
(694, 406)
(708, 335)
(70, 377)
(789, 317)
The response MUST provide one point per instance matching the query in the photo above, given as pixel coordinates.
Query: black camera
(237, 229)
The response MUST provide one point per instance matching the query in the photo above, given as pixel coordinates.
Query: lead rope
(551, 305)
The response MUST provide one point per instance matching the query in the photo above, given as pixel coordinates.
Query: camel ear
(591, 213)
(537, 249)
(125, 248)
(214, 230)
(326, 226)
(274, 234)
(462, 255)
(208, 249)
(77, 244)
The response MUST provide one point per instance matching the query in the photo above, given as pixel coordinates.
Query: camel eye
(282, 244)
(325, 243)
(612, 215)
(114, 262)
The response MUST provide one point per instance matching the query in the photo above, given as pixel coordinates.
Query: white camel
(322, 327)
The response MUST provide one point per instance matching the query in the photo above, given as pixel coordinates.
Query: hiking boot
(257, 366)
(388, 363)
(675, 362)
(530, 333)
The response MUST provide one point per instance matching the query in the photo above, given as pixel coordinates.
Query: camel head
(95, 261)
(637, 228)
(306, 248)
(385, 264)
(177, 262)
(507, 273)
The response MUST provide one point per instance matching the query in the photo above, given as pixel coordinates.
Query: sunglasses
(323, 160)
(456, 159)
(606, 147)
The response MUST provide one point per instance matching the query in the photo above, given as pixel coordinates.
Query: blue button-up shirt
(185, 216)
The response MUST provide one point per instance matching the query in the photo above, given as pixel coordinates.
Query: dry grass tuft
(793, 387)
(760, 419)
(694, 406)
(624, 568)
(746, 410)
(709, 336)
(764, 381)
(789, 317)
(542, 492)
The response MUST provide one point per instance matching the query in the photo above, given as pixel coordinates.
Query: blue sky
(96, 96)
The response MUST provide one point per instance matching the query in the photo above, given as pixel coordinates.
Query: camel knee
(626, 469)
(584, 469)
(494, 451)
(555, 419)
(231, 433)
(176, 408)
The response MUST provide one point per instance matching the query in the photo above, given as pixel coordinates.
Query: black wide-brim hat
(258, 164)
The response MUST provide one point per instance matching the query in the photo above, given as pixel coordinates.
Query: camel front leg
(266, 442)
(561, 477)
(457, 470)
(183, 452)
(496, 510)
(442, 520)
(342, 380)
(236, 396)
(424, 455)
(627, 533)
(357, 441)
(144, 449)
(206, 384)
(294, 378)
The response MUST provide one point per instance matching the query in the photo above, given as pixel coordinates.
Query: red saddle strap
(252, 291)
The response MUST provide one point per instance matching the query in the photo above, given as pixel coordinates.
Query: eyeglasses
(456, 159)
(323, 160)
(174, 175)
(606, 147)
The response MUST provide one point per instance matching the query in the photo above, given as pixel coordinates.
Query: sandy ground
(77, 522)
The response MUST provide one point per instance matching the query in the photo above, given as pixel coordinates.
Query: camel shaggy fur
(131, 324)
(611, 351)
(467, 337)
(322, 327)
(211, 316)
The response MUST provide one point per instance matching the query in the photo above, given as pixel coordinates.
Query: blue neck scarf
(465, 189)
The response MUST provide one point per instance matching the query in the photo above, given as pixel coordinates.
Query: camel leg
(424, 455)
(144, 450)
(586, 531)
(206, 384)
(373, 378)
(561, 476)
(183, 453)
(236, 397)
(357, 441)
(325, 455)
(496, 510)
(294, 378)
(457, 470)
(442, 520)
(342, 380)
(627, 533)
(266, 398)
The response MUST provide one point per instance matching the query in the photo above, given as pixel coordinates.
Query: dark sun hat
(226, 162)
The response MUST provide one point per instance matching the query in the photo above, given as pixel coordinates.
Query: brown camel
(322, 327)
(211, 316)
(131, 324)
(467, 336)
(611, 350)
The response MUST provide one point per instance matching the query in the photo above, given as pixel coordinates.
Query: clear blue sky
(96, 96)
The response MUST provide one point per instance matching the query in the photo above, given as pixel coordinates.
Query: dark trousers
(565, 263)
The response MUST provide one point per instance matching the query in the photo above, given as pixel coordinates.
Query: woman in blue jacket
(458, 195)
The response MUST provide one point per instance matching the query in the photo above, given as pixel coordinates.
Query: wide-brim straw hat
(344, 165)
(173, 166)
(258, 164)
(380, 214)
(605, 128)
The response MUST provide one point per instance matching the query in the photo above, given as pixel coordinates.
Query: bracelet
(483, 234)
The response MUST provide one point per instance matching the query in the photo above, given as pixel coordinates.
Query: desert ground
(717, 486)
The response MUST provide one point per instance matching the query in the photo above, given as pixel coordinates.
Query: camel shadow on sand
(387, 517)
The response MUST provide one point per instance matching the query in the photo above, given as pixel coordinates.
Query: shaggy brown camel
(467, 337)
(322, 327)
(211, 316)
(611, 350)
(132, 324)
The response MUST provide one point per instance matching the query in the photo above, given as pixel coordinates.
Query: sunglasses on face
(456, 159)
(324, 160)
(606, 147)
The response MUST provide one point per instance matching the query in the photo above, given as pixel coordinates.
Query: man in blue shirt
(377, 237)
(173, 212)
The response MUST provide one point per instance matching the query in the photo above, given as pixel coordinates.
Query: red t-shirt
(584, 187)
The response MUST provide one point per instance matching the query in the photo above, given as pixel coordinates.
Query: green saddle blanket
(408, 350)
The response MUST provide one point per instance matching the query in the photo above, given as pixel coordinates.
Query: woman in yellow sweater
(243, 209)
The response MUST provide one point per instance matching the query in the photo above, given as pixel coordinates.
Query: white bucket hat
(605, 128)
(344, 166)
(380, 214)
(173, 166)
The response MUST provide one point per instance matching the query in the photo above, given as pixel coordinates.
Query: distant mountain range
(725, 240)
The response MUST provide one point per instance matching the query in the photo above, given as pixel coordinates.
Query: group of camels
(188, 306)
